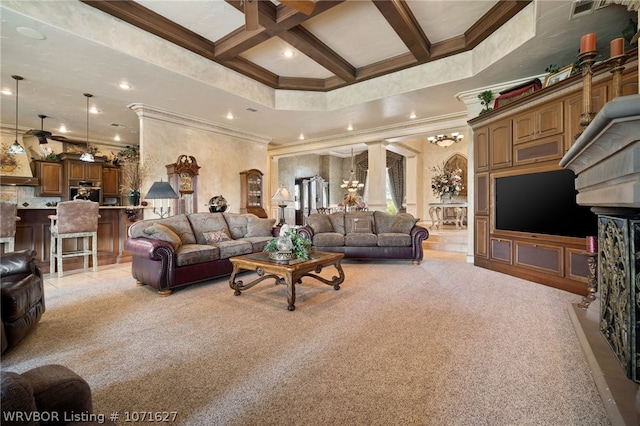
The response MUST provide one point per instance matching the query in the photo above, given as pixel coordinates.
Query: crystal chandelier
(352, 185)
(445, 140)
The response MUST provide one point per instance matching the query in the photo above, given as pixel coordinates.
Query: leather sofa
(189, 248)
(22, 296)
(367, 235)
(50, 394)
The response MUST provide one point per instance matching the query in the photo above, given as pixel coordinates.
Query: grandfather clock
(183, 177)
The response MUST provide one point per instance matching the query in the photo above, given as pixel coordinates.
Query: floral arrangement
(299, 245)
(446, 181)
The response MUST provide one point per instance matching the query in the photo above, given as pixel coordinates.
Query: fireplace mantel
(606, 157)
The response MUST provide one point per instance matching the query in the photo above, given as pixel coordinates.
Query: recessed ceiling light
(288, 53)
(93, 110)
(301, 137)
(62, 128)
(229, 115)
(124, 85)
(116, 138)
(349, 127)
(7, 92)
(31, 33)
(412, 115)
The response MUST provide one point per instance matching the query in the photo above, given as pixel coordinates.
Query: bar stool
(74, 219)
(8, 218)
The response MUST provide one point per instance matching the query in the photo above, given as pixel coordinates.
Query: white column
(411, 185)
(377, 176)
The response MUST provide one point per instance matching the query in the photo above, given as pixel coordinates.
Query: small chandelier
(352, 185)
(87, 155)
(445, 140)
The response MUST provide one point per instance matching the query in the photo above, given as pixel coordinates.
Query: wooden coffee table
(285, 273)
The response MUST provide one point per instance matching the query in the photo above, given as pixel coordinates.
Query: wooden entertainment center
(529, 136)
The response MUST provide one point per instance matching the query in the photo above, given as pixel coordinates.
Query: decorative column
(377, 176)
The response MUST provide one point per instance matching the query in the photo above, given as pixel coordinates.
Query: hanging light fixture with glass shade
(445, 140)
(87, 156)
(16, 148)
(353, 184)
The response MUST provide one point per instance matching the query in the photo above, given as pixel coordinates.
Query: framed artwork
(558, 76)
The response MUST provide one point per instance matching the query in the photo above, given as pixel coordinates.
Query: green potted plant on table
(288, 245)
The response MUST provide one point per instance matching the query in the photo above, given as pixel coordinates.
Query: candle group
(592, 244)
(588, 43)
(617, 47)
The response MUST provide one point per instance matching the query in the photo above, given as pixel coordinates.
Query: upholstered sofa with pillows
(189, 248)
(367, 235)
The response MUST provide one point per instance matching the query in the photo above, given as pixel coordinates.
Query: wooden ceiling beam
(145, 19)
(404, 23)
(497, 16)
(274, 21)
(307, 43)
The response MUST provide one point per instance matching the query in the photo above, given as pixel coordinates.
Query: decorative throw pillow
(320, 223)
(213, 237)
(161, 232)
(259, 227)
(403, 223)
(359, 225)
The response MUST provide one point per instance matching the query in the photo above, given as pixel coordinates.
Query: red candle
(617, 47)
(592, 244)
(588, 43)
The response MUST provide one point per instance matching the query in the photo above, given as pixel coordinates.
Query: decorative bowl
(281, 256)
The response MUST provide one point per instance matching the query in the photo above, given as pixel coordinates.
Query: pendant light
(16, 148)
(87, 156)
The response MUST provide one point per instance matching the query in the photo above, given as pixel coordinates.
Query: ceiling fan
(43, 135)
(252, 21)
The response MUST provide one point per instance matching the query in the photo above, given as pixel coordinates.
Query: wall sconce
(445, 140)
(281, 197)
(161, 191)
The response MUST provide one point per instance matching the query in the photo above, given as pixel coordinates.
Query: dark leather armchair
(22, 291)
(50, 394)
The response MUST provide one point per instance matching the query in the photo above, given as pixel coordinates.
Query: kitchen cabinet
(111, 182)
(50, 180)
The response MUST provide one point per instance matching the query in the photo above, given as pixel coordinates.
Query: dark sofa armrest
(419, 234)
(147, 248)
(18, 262)
(305, 232)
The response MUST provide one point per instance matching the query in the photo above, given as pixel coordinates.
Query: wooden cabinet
(481, 147)
(500, 146)
(50, 180)
(111, 182)
(251, 196)
(80, 170)
(76, 169)
(543, 121)
(530, 137)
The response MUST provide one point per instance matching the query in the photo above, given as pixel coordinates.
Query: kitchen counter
(32, 232)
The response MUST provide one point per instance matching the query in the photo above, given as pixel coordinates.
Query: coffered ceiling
(367, 64)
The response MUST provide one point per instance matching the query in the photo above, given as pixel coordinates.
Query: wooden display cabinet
(251, 196)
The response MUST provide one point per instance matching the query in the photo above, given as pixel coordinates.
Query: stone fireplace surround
(606, 160)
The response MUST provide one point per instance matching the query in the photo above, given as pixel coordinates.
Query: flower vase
(134, 197)
(446, 198)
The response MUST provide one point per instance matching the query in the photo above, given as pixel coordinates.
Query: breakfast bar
(32, 232)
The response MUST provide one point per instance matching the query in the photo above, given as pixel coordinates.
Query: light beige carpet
(443, 343)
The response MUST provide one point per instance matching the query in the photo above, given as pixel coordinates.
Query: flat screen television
(542, 203)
